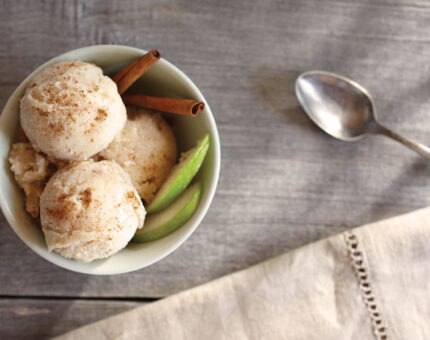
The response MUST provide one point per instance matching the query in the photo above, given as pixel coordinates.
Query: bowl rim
(204, 204)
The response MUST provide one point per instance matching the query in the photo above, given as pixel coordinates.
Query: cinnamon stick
(129, 74)
(186, 107)
(117, 77)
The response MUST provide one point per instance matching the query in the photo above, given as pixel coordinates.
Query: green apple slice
(167, 221)
(180, 176)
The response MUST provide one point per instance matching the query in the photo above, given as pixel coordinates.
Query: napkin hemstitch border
(361, 272)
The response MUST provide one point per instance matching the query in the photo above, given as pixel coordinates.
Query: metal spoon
(344, 109)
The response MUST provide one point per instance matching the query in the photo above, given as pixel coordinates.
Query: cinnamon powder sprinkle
(101, 115)
(63, 212)
(63, 197)
(92, 126)
(42, 112)
(131, 196)
(85, 197)
(57, 128)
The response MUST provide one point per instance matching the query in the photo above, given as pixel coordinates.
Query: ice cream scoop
(71, 111)
(90, 210)
(146, 149)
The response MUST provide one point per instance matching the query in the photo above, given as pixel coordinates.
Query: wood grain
(283, 182)
(43, 319)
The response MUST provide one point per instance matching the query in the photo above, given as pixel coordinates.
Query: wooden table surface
(283, 182)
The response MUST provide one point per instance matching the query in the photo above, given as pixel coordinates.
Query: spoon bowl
(338, 105)
(344, 109)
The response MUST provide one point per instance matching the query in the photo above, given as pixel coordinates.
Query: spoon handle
(417, 147)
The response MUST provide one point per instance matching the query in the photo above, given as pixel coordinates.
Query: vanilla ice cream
(71, 111)
(31, 169)
(146, 149)
(90, 210)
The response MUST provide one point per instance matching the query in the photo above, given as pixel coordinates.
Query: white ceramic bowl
(163, 79)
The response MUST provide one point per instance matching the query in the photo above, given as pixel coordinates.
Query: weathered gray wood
(283, 182)
(43, 319)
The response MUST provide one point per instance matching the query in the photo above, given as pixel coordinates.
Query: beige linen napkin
(369, 283)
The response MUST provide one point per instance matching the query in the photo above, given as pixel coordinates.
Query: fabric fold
(370, 282)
